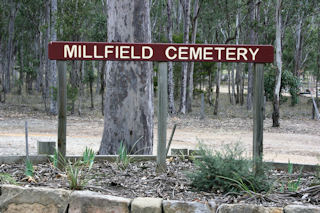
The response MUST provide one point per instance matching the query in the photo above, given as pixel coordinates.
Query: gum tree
(128, 111)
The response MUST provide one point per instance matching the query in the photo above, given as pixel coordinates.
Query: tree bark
(53, 66)
(218, 79)
(172, 109)
(128, 113)
(184, 69)
(276, 94)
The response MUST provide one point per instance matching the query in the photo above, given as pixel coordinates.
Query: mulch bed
(140, 179)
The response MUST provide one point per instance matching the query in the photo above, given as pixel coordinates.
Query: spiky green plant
(29, 169)
(75, 175)
(88, 157)
(123, 159)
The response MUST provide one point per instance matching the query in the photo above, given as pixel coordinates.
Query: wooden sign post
(257, 54)
(62, 110)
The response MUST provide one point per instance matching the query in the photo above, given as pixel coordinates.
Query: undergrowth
(227, 171)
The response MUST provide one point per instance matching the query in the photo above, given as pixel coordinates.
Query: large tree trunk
(172, 109)
(53, 66)
(218, 79)
(276, 94)
(196, 9)
(128, 114)
(184, 69)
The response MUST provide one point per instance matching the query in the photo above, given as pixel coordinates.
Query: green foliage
(7, 179)
(288, 81)
(29, 169)
(227, 171)
(76, 175)
(123, 159)
(88, 157)
(292, 184)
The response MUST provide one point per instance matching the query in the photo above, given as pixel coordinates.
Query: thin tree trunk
(196, 9)
(10, 47)
(218, 79)
(103, 84)
(184, 70)
(298, 48)
(229, 83)
(276, 94)
(21, 75)
(210, 88)
(53, 66)
(171, 108)
(238, 71)
(232, 85)
(250, 66)
(47, 62)
(128, 114)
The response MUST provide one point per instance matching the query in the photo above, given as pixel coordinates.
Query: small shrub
(227, 171)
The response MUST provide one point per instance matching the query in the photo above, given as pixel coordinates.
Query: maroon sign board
(63, 50)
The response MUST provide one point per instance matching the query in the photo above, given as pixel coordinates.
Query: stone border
(42, 158)
(38, 199)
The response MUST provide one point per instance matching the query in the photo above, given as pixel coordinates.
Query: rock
(174, 206)
(88, 202)
(301, 209)
(247, 208)
(16, 199)
(146, 205)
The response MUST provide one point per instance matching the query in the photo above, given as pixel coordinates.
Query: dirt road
(297, 140)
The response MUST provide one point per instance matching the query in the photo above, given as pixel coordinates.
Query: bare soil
(297, 139)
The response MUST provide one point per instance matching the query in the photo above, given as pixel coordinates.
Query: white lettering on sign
(132, 54)
(206, 52)
(171, 52)
(107, 50)
(183, 51)
(254, 53)
(219, 51)
(230, 52)
(95, 54)
(242, 52)
(167, 52)
(144, 49)
(70, 53)
(195, 54)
